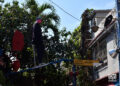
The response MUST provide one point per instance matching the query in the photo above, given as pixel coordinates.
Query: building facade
(103, 45)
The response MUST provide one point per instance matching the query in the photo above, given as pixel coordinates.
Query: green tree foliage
(22, 18)
(75, 42)
(79, 48)
(57, 43)
(85, 31)
(84, 77)
(12, 17)
(2, 79)
(50, 22)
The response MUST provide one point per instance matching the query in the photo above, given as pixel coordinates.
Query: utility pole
(74, 75)
(118, 31)
(33, 46)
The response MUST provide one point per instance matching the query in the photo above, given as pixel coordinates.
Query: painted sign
(85, 62)
(112, 78)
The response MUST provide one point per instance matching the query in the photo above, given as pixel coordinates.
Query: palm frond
(33, 6)
(44, 7)
(51, 17)
(30, 3)
(54, 28)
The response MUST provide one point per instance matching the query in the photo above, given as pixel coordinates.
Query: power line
(64, 10)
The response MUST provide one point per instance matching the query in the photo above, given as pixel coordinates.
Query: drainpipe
(118, 31)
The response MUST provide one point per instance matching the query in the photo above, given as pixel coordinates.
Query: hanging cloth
(16, 65)
(18, 41)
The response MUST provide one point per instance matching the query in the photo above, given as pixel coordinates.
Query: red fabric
(71, 73)
(16, 65)
(18, 41)
(1, 62)
(77, 73)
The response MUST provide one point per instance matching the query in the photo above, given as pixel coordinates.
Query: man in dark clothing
(38, 39)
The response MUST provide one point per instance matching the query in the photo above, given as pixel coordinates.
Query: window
(102, 50)
(100, 53)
